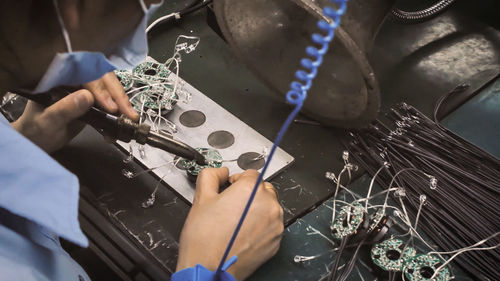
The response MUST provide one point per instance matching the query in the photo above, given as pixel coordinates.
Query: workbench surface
(413, 63)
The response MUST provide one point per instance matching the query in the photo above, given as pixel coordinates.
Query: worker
(49, 43)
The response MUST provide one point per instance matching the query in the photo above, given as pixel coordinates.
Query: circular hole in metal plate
(220, 139)
(192, 118)
(251, 160)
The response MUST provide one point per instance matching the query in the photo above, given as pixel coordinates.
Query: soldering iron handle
(120, 128)
(115, 127)
(176, 147)
(92, 117)
(101, 121)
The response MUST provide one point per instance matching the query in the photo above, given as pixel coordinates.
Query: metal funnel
(270, 37)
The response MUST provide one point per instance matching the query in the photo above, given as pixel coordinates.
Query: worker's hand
(52, 127)
(214, 216)
(109, 94)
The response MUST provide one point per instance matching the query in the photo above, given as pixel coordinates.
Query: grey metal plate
(246, 140)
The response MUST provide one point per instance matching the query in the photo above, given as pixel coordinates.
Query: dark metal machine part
(266, 34)
(416, 64)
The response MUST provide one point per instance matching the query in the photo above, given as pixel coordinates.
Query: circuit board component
(423, 268)
(150, 89)
(348, 220)
(389, 255)
(212, 156)
(125, 79)
(375, 219)
(152, 71)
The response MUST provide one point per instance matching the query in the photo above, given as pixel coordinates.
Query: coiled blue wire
(296, 95)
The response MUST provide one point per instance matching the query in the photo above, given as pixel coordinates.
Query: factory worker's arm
(50, 128)
(213, 218)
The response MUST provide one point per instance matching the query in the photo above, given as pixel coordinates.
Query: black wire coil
(422, 15)
(463, 208)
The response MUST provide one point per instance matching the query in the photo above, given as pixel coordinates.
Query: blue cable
(296, 95)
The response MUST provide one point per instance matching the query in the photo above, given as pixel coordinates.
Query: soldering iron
(120, 127)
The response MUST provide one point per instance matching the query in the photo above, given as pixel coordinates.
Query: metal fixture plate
(246, 140)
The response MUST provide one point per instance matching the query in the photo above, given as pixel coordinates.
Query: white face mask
(75, 68)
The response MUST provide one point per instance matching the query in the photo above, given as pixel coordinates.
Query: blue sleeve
(200, 273)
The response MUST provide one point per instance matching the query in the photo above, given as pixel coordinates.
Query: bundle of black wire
(335, 265)
(463, 208)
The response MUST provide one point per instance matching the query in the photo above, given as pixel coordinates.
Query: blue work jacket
(38, 204)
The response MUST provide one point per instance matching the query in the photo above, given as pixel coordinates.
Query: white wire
(471, 246)
(378, 194)
(371, 185)
(187, 37)
(156, 121)
(404, 211)
(335, 195)
(142, 108)
(174, 90)
(392, 181)
(359, 273)
(151, 169)
(143, 6)
(160, 19)
(63, 27)
(148, 85)
(301, 258)
(411, 230)
(176, 83)
(353, 195)
(345, 202)
(461, 252)
(422, 201)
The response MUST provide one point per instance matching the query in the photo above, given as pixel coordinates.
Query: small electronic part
(155, 89)
(152, 71)
(423, 267)
(348, 220)
(150, 90)
(379, 225)
(375, 219)
(213, 160)
(125, 79)
(389, 255)
(150, 101)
